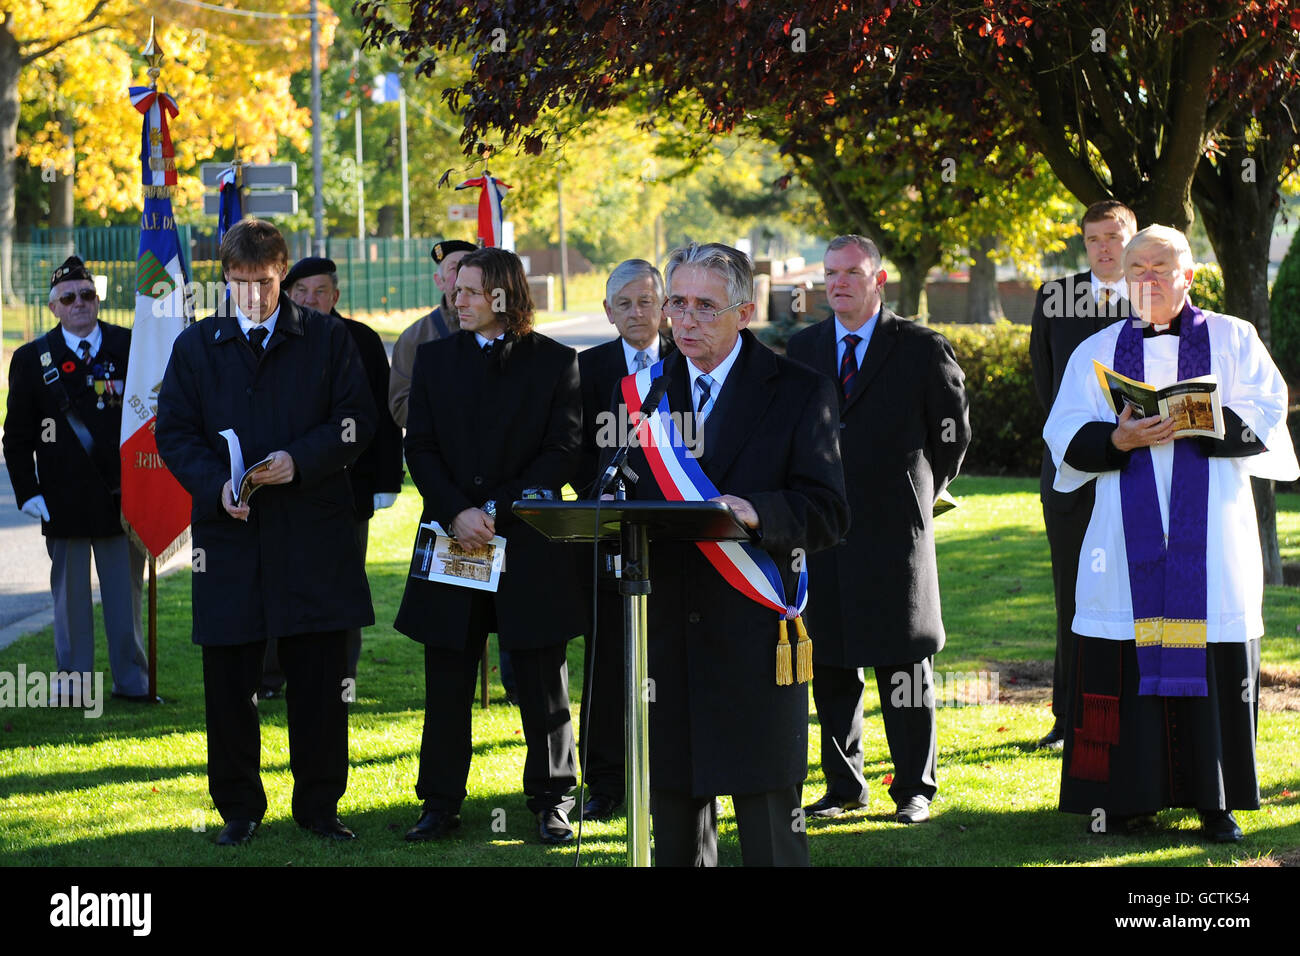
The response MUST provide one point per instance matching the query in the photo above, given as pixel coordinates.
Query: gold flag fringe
(158, 192)
(167, 553)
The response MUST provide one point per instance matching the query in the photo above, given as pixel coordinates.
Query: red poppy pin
(69, 366)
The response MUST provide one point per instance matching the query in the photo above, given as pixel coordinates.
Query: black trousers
(770, 825)
(1065, 531)
(542, 688)
(318, 725)
(603, 740)
(908, 712)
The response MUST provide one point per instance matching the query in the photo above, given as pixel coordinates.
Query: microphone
(652, 399)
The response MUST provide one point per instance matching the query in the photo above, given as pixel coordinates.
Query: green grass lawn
(130, 787)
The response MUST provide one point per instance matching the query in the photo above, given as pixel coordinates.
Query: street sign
(255, 175)
(257, 203)
(462, 213)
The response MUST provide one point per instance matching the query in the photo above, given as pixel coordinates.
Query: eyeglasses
(86, 295)
(676, 310)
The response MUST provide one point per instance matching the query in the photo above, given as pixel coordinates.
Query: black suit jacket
(874, 600)
(77, 492)
(295, 566)
(601, 368)
(482, 429)
(379, 466)
(718, 722)
(1065, 313)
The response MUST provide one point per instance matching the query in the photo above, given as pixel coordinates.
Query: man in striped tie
(874, 600)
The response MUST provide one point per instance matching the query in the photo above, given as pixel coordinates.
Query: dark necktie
(705, 403)
(849, 364)
(84, 348)
(256, 338)
(490, 349)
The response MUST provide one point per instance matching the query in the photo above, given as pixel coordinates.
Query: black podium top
(676, 520)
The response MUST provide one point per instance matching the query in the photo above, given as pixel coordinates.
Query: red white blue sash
(746, 567)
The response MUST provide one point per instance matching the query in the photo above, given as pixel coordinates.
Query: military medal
(100, 385)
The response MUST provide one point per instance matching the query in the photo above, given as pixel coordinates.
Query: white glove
(385, 499)
(36, 508)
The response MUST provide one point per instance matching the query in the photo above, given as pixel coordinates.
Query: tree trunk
(386, 224)
(911, 283)
(10, 65)
(983, 304)
(61, 190)
(1238, 201)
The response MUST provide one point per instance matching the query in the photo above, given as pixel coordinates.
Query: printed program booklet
(440, 557)
(241, 478)
(1194, 403)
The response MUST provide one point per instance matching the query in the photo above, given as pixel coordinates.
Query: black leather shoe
(829, 806)
(1054, 739)
(433, 825)
(1218, 826)
(236, 832)
(599, 807)
(332, 829)
(913, 810)
(553, 826)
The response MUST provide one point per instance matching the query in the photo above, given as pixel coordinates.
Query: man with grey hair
(61, 437)
(1164, 704)
(728, 715)
(634, 296)
(904, 428)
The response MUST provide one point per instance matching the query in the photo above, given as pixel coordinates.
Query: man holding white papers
(286, 565)
(1162, 710)
(494, 415)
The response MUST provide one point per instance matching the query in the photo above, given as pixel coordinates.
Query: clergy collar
(1173, 328)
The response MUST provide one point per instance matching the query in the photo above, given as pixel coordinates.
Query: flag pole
(406, 188)
(153, 55)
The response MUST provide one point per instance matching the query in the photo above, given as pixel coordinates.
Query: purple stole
(1167, 581)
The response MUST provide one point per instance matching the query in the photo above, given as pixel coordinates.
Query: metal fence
(375, 275)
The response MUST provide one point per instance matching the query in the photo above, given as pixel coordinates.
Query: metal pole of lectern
(634, 585)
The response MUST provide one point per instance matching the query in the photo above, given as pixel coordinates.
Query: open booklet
(241, 478)
(440, 557)
(1194, 403)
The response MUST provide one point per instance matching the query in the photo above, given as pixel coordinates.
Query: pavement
(25, 602)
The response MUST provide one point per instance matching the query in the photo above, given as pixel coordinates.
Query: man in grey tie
(634, 296)
(61, 448)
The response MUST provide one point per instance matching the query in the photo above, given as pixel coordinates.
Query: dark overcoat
(601, 367)
(874, 600)
(379, 466)
(295, 566)
(1065, 313)
(79, 494)
(719, 723)
(484, 429)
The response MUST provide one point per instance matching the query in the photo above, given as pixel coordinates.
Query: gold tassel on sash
(784, 672)
(804, 655)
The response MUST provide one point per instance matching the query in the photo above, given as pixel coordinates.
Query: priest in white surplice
(1164, 706)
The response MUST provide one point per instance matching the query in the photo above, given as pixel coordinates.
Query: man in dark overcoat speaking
(764, 431)
(904, 429)
(284, 562)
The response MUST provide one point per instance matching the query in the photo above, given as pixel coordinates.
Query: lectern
(635, 524)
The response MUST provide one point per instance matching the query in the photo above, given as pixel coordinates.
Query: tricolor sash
(747, 568)
(1167, 579)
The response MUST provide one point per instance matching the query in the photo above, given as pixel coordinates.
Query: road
(25, 603)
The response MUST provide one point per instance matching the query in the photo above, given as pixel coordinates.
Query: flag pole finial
(153, 55)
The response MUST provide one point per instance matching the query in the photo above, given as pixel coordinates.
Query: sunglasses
(87, 295)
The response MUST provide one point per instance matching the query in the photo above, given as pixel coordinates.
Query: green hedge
(1006, 419)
